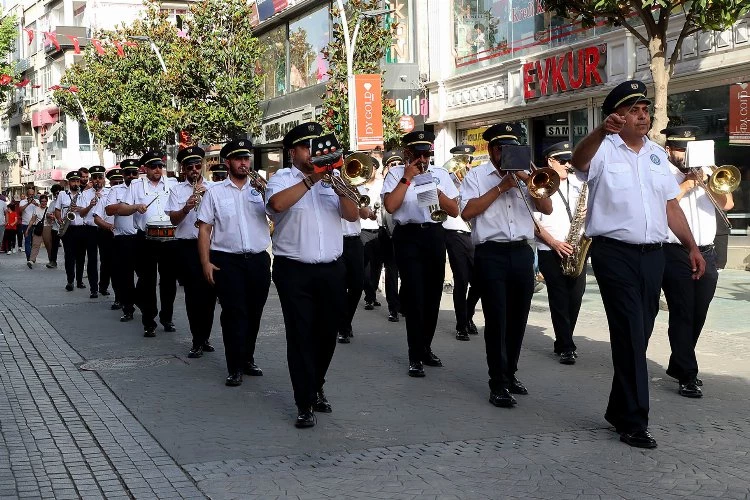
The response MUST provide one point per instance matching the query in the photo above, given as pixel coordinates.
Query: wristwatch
(404, 181)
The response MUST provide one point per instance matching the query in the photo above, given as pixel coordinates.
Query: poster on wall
(739, 114)
(368, 89)
(474, 138)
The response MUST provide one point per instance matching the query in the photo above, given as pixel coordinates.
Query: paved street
(89, 408)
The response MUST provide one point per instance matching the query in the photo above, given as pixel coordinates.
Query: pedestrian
(3, 220)
(387, 260)
(36, 228)
(11, 226)
(632, 204)
(419, 241)
(307, 268)
(27, 207)
(354, 265)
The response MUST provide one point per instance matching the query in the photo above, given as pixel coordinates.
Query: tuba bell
(459, 165)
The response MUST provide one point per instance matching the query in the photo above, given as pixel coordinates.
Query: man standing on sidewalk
(632, 204)
(89, 199)
(27, 207)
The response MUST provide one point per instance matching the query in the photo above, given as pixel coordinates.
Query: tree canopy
(8, 35)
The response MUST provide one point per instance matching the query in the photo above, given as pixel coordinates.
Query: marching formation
(645, 218)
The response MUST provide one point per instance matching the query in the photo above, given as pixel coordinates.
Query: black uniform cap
(190, 155)
(678, 137)
(463, 149)
(97, 169)
(114, 173)
(152, 158)
(393, 156)
(419, 140)
(625, 94)
(219, 168)
(560, 151)
(237, 148)
(302, 133)
(503, 133)
(73, 176)
(129, 163)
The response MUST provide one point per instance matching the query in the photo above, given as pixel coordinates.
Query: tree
(699, 15)
(373, 41)
(8, 35)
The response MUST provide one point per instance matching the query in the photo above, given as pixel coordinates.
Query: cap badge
(686, 133)
(634, 86)
(508, 128)
(311, 128)
(421, 136)
(566, 146)
(242, 143)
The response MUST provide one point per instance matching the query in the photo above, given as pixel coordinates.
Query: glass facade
(308, 36)
(273, 65)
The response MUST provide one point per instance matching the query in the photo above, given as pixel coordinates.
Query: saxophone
(69, 216)
(572, 265)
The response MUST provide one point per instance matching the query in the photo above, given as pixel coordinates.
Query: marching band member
(689, 299)
(73, 239)
(145, 199)
(218, 172)
(89, 200)
(105, 237)
(307, 269)
(564, 293)
(385, 239)
(125, 239)
(632, 202)
(502, 227)
(419, 243)
(182, 206)
(461, 259)
(373, 260)
(232, 242)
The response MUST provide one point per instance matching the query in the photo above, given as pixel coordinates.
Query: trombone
(542, 183)
(356, 171)
(724, 180)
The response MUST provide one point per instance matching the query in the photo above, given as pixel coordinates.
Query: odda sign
(572, 70)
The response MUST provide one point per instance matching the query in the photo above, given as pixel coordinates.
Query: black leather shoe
(195, 352)
(416, 369)
(516, 387)
(431, 360)
(69, 287)
(104, 293)
(343, 338)
(80, 285)
(252, 370)
(116, 306)
(94, 295)
(149, 331)
(305, 418)
(462, 335)
(369, 306)
(234, 379)
(567, 358)
(698, 382)
(321, 404)
(393, 317)
(126, 317)
(638, 439)
(473, 330)
(169, 327)
(690, 389)
(207, 347)
(377, 304)
(502, 399)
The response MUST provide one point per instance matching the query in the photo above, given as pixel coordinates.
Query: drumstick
(150, 202)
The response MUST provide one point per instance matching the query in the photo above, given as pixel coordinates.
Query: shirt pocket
(329, 198)
(619, 175)
(227, 208)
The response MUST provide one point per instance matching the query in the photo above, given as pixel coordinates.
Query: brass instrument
(198, 193)
(357, 170)
(572, 265)
(437, 214)
(542, 183)
(69, 216)
(723, 181)
(459, 166)
(259, 182)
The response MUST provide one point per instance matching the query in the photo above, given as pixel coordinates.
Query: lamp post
(73, 91)
(350, 44)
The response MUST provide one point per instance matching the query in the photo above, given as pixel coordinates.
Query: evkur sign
(571, 70)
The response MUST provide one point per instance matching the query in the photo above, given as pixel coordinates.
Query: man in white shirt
(67, 207)
(632, 204)
(105, 225)
(309, 274)
(145, 199)
(689, 299)
(564, 293)
(182, 207)
(27, 206)
(493, 201)
(90, 198)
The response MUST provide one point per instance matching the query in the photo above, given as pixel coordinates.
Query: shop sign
(564, 130)
(368, 90)
(412, 107)
(474, 138)
(572, 70)
(406, 123)
(739, 113)
(275, 130)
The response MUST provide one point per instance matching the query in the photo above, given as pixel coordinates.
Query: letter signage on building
(571, 70)
(369, 96)
(412, 106)
(739, 113)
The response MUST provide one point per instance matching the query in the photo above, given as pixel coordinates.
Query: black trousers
(242, 284)
(373, 261)
(629, 279)
(152, 257)
(420, 256)
(354, 264)
(55, 246)
(75, 253)
(92, 254)
(461, 258)
(504, 273)
(310, 295)
(564, 294)
(721, 243)
(388, 262)
(200, 296)
(123, 271)
(105, 240)
(688, 302)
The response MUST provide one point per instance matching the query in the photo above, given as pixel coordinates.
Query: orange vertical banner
(369, 96)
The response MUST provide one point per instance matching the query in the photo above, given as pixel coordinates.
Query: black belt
(640, 247)
(459, 231)
(371, 230)
(248, 255)
(418, 225)
(505, 244)
(703, 249)
(351, 236)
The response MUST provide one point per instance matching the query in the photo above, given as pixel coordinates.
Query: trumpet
(356, 170)
(198, 193)
(258, 182)
(724, 180)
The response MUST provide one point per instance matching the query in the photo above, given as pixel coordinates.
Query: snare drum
(160, 231)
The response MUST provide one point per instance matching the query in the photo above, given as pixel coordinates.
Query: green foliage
(8, 36)
(372, 42)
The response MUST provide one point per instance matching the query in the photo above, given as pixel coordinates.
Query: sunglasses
(155, 165)
(194, 166)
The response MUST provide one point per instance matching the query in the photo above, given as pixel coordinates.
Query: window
(44, 78)
(273, 64)
(308, 36)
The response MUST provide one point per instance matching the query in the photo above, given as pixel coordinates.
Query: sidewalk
(88, 407)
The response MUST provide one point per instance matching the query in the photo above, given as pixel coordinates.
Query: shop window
(273, 65)
(308, 36)
(400, 23)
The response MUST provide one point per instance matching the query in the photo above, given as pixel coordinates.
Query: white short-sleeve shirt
(372, 189)
(178, 197)
(507, 218)
(143, 191)
(124, 224)
(26, 213)
(699, 212)
(628, 192)
(557, 223)
(63, 202)
(410, 212)
(86, 198)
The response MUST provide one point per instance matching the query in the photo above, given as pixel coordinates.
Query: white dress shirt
(351, 228)
(373, 189)
(507, 218)
(178, 197)
(557, 223)
(26, 213)
(124, 224)
(409, 212)
(63, 202)
(238, 218)
(143, 191)
(628, 192)
(310, 230)
(99, 208)
(86, 198)
(699, 212)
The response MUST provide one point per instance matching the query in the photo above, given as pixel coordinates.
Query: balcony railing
(24, 143)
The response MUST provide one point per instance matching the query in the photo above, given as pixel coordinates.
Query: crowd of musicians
(649, 220)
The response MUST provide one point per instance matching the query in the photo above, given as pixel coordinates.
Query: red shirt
(12, 220)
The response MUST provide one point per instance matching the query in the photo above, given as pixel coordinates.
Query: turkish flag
(76, 44)
(23, 83)
(98, 46)
(5, 79)
(30, 34)
(50, 38)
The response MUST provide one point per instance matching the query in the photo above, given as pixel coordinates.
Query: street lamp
(83, 111)
(154, 47)
(350, 44)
